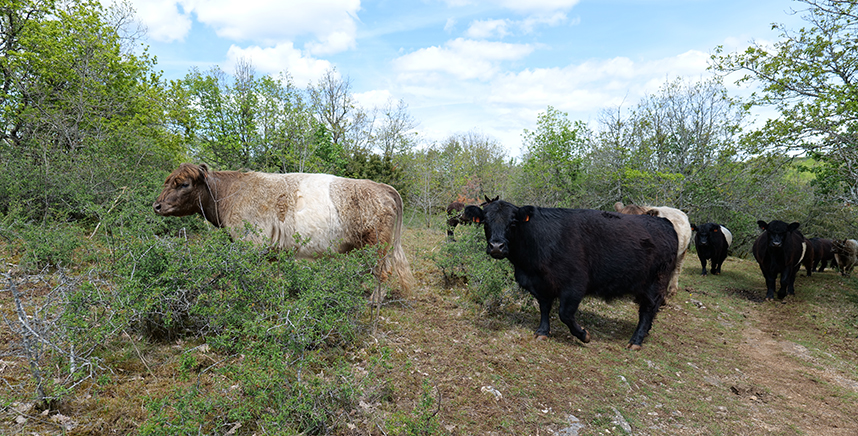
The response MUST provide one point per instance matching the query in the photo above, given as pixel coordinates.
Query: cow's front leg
(568, 308)
(544, 328)
(646, 314)
(785, 284)
(771, 281)
(703, 264)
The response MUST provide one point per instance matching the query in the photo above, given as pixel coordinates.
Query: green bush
(288, 319)
(44, 245)
(489, 282)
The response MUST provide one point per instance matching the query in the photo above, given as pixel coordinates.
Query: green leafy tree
(678, 147)
(81, 115)
(472, 166)
(809, 77)
(552, 161)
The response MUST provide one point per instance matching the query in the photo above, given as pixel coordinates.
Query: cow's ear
(693, 227)
(792, 227)
(716, 229)
(473, 214)
(762, 224)
(524, 213)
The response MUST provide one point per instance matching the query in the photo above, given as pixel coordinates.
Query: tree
(552, 159)
(333, 102)
(672, 148)
(809, 76)
(473, 165)
(81, 114)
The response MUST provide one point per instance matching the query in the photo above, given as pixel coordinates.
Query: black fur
(569, 253)
(711, 245)
(779, 250)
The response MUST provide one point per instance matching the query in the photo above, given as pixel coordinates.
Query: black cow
(823, 253)
(570, 253)
(780, 249)
(712, 243)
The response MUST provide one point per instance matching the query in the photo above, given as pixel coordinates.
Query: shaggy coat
(712, 242)
(680, 224)
(567, 254)
(319, 210)
(780, 249)
(846, 254)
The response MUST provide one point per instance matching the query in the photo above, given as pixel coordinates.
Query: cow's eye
(185, 185)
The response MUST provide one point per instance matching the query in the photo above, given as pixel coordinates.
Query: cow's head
(182, 190)
(705, 232)
(501, 220)
(777, 231)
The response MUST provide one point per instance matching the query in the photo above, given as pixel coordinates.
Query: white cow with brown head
(325, 211)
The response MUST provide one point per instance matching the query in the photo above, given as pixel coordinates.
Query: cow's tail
(398, 260)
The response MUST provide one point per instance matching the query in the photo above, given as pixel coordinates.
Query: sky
(460, 66)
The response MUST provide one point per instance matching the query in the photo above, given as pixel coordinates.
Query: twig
(115, 202)
(131, 340)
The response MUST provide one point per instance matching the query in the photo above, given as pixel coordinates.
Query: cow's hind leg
(568, 309)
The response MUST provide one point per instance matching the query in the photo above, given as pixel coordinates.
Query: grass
(719, 360)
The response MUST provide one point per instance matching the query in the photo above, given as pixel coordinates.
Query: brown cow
(324, 210)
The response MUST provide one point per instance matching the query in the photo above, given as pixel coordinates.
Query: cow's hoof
(586, 337)
(634, 347)
(539, 337)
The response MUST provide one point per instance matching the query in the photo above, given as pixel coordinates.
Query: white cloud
(593, 84)
(450, 24)
(330, 22)
(280, 58)
(462, 58)
(484, 29)
(549, 19)
(271, 21)
(162, 18)
(508, 102)
(371, 99)
(529, 6)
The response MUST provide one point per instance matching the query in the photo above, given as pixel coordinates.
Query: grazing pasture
(460, 359)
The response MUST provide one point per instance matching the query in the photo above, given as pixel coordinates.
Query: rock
(620, 421)
(573, 427)
(498, 396)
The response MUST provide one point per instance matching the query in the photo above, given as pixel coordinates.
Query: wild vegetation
(117, 320)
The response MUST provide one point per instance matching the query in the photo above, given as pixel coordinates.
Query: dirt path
(785, 374)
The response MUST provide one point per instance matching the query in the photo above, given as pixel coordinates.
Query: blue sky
(466, 65)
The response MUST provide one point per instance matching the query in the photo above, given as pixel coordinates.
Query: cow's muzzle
(498, 250)
(158, 208)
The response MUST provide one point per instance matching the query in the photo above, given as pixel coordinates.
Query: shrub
(490, 282)
(289, 320)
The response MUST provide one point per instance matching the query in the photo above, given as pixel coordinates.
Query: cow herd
(557, 254)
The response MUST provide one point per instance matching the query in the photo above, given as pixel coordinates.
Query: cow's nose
(156, 206)
(496, 248)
